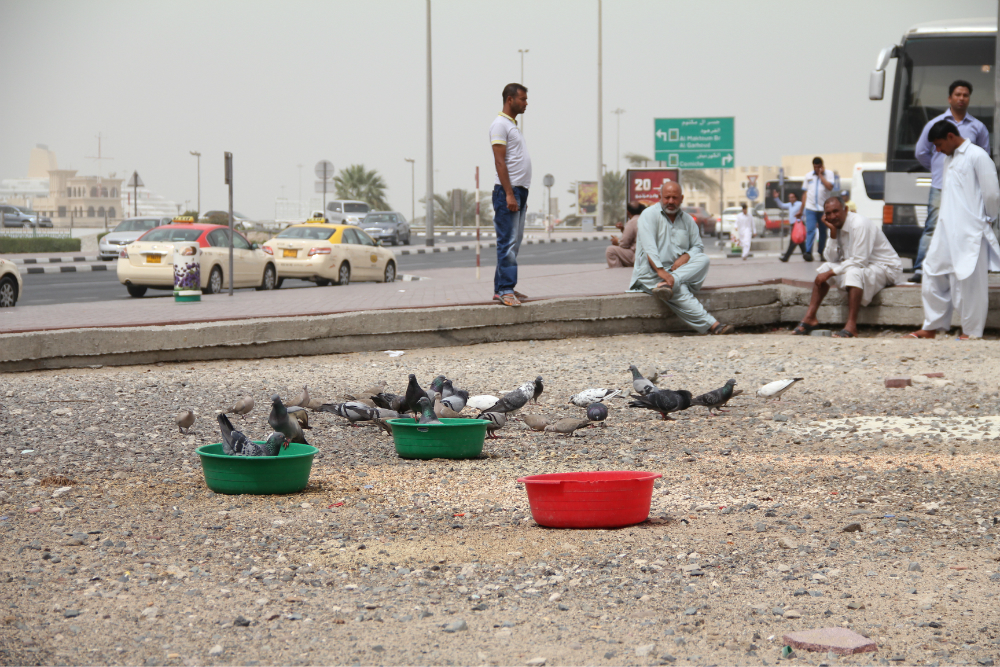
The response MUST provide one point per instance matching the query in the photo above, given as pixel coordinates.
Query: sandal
(843, 333)
(663, 292)
(721, 329)
(928, 335)
(522, 297)
(803, 329)
(509, 300)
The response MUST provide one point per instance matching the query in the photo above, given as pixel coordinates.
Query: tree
(356, 182)
(636, 160)
(615, 192)
(446, 214)
(193, 214)
(697, 179)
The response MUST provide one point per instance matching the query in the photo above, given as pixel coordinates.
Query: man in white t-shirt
(510, 191)
(816, 189)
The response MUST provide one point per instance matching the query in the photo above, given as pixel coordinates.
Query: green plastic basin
(257, 475)
(452, 439)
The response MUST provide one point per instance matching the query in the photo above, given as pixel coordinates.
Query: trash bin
(187, 272)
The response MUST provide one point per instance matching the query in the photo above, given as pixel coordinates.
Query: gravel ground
(114, 551)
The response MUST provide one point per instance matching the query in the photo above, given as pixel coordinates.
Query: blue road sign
(752, 193)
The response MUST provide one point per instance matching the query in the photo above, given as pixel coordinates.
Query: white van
(868, 189)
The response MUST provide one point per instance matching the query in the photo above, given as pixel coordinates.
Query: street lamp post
(413, 188)
(618, 139)
(429, 221)
(599, 218)
(198, 155)
(522, 52)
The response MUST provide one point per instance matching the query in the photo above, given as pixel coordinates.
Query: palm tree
(615, 191)
(697, 179)
(447, 214)
(637, 160)
(356, 182)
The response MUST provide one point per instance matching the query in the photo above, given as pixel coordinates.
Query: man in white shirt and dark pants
(859, 259)
(816, 189)
(964, 246)
(745, 231)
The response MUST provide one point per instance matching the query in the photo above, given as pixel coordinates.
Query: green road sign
(694, 143)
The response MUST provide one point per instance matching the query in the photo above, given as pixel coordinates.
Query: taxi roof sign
(184, 218)
(315, 220)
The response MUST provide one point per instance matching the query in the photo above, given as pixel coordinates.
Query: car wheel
(214, 281)
(106, 259)
(136, 291)
(278, 283)
(344, 274)
(269, 280)
(8, 292)
(323, 282)
(407, 241)
(390, 272)
(395, 239)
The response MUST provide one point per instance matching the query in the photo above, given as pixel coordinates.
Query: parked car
(127, 231)
(14, 217)
(147, 262)
(346, 211)
(36, 218)
(10, 283)
(728, 223)
(388, 226)
(325, 253)
(240, 221)
(706, 223)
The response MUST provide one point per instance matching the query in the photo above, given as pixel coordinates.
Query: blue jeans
(933, 205)
(814, 223)
(510, 231)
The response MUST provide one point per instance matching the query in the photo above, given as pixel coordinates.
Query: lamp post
(198, 155)
(413, 188)
(522, 52)
(618, 139)
(429, 216)
(599, 218)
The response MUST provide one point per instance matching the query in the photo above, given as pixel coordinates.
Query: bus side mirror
(876, 84)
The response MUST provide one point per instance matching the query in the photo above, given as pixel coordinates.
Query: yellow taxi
(10, 283)
(325, 253)
(148, 262)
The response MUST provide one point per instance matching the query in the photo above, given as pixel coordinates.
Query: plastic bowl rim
(259, 442)
(641, 476)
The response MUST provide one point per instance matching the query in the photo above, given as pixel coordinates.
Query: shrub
(10, 245)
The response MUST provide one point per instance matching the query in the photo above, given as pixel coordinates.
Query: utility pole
(618, 139)
(298, 205)
(522, 52)
(599, 219)
(429, 222)
(413, 188)
(198, 155)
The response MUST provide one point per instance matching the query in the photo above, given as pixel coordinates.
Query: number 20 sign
(644, 184)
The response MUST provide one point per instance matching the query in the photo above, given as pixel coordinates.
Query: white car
(728, 223)
(326, 254)
(10, 283)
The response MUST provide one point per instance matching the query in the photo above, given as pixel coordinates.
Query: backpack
(798, 232)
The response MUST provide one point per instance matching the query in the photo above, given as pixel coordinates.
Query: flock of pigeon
(444, 400)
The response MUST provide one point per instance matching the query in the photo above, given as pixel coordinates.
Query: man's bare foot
(921, 333)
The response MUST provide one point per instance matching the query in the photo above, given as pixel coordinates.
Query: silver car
(128, 230)
(346, 211)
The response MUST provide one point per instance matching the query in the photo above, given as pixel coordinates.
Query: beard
(671, 209)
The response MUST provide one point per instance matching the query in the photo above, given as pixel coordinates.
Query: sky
(281, 84)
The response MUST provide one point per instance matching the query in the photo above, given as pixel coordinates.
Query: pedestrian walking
(797, 238)
(959, 97)
(510, 191)
(745, 231)
(621, 252)
(816, 189)
(964, 247)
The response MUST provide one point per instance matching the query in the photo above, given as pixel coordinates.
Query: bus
(928, 58)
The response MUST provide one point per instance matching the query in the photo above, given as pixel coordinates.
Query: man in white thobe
(859, 259)
(964, 246)
(744, 230)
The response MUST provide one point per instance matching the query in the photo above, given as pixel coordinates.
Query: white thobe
(964, 247)
(744, 231)
(861, 256)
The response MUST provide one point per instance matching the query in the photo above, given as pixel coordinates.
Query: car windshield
(310, 233)
(170, 235)
(136, 225)
(26, 211)
(356, 208)
(379, 218)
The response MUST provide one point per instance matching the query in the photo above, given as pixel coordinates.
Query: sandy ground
(114, 551)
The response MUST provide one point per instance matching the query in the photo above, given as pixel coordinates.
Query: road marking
(66, 269)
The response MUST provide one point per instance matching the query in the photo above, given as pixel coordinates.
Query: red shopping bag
(798, 232)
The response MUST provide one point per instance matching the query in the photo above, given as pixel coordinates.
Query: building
(81, 200)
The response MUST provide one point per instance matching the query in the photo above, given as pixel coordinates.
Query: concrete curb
(70, 268)
(492, 244)
(54, 260)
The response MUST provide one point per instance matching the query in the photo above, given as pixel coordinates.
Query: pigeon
(314, 404)
(777, 388)
(185, 420)
(426, 411)
(389, 401)
(302, 400)
(242, 406)
(481, 402)
(302, 415)
(455, 403)
(279, 421)
(641, 385)
(567, 426)
(352, 411)
(597, 412)
(235, 443)
(448, 389)
(663, 401)
(535, 422)
(442, 407)
(717, 398)
(538, 389)
(376, 388)
(515, 400)
(497, 420)
(593, 395)
(414, 392)
(437, 385)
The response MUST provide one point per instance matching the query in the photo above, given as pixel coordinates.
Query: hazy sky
(286, 83)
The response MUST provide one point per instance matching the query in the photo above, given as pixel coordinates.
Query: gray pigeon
(352, 411)
(497, 420)
(597, 412)
(538, 389)
(567, 426)
(442, 406)
(242, 406)
(717, 398)
(593, 395)
(389, 401)
(414, 392)
(185, 420)
(663, 401)
(280, 422)
(641, 385)
(426, 411)
(448, 389)
(235, 443)
(515, 400)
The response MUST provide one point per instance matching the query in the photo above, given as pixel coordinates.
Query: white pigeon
(593, 395)
(776, 389)
(482, 401)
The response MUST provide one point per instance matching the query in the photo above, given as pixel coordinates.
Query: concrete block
(839, 641)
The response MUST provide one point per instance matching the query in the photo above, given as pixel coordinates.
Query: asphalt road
(53, 288)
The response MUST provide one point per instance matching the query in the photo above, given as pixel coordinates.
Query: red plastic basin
(601, 499)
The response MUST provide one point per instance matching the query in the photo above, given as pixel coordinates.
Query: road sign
(752, 192)
(324, 169)
(135, 181)
(644, 184)
(548, 181)
(694, 143)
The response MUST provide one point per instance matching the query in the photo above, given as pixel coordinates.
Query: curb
(492, 244)
(67, 269)
(54, 260)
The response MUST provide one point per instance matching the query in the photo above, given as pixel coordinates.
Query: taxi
(10, 283)
(326, 253)
(148, 262)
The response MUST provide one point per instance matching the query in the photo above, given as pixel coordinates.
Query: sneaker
(808, 257)
(917, 279)
(783, 258)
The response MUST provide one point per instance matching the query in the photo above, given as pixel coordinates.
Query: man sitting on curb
(621, 252)
(858, 258)
(668, 236)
